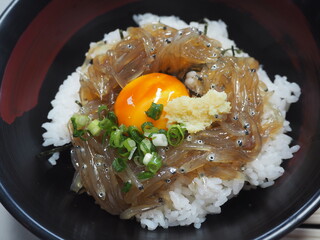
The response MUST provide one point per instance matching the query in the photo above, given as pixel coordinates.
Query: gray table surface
(11, 229)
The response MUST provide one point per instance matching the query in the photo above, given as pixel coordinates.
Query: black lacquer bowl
(41, 42)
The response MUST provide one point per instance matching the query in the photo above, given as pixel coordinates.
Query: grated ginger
(197, 113)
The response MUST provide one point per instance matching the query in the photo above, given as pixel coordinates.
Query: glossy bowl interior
(41, 46)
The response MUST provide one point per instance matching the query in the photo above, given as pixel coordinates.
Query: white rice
(63, 107)
(191, 203)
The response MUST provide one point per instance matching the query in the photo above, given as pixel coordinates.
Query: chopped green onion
(126, 187)
(116, 138)
(81, 120)
(175, 134)
(107, 125)
(112, 116)
(100, 109)
(155, 163)
(145, 146)
(129, 144)
(163, 131)
(135, 134)
(94, 128)
(123, 128)
(78, 122)
(159, 140)
(155, 111)
(140, 153)
(148, 134)
(132, 152)
(147, 158)
(183, 128)
(76, 132)
(148, 129)
(119, 164)
(145, 175)
(138, 160)
(146, 125)
(123, 152)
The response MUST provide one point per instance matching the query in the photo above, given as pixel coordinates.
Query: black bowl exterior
(41, 47)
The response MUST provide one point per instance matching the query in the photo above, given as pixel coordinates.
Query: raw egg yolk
(138, 95)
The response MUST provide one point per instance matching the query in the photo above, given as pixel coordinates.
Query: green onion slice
(131, 153)
(145, 175)
(116, 139)
(119, 164)
(146, 146)
(163, 131)
(123, 129)
(135, 134)
(81, 120)
(126, 187)
(146, 126)
(112, 116)
(76, 132)
(155, 163)
(123, 152)
(94, 128)
(100, 109)
(138, 160)
(148, 129)
(107, 125)
(129, 144)
(155, 111)
(175, 134)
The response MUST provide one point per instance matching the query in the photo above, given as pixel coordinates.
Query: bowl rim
(39, 230)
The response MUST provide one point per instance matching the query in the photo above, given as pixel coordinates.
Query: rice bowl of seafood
(200, 151)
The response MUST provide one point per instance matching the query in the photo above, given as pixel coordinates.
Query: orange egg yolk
(138, 95)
